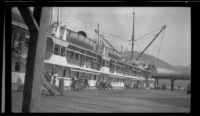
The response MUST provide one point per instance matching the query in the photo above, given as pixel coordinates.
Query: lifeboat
(80, 38)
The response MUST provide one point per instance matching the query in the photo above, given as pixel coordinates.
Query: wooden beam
(28, 19)
(172, 84)
(37, 14)
(35, 59)
(3, 70)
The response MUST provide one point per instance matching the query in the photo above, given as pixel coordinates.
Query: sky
(174, 42)
(173, 45)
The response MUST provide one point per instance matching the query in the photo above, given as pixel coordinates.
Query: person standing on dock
(61, 83)
(179, 87)
(54, 79)
(51, 76)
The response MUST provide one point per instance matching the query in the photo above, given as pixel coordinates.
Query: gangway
(53, 90)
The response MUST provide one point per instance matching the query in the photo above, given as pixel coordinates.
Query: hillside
(159, 63)
(184, 69)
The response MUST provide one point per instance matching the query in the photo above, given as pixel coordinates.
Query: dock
(111, 101)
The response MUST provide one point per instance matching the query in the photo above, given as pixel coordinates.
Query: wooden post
(35, 59)
(155, 83)
(61, 85)
(172, 84)
(3, 72)
(37, 14)
(61, 82)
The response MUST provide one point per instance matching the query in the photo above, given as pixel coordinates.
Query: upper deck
(73, 37)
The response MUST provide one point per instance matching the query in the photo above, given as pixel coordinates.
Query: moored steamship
(72, 54)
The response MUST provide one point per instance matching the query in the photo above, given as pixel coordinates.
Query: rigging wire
(160, 45)
(146, 37)
(136, 39)
(130, 39)
(127, 50)
(128, 45)
(143, 42)
(114, 35)
(116, 38)
(128, 36)
(84, 27)
(142, 36)
(138, 47)
(144, 58)
(148, 33)
(90, 29)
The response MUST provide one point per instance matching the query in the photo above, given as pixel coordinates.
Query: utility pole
(132, 37)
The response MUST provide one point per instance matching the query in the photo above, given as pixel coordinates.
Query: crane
(150, 43)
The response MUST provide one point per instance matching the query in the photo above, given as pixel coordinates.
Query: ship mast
(98, 40)
(58, 20)
(132, 37)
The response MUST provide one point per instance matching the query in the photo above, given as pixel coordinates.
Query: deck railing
(92, 65)
(73, 61)
(120, 72)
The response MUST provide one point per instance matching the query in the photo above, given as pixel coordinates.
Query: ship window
(57, 49)
(66, 53)
(104, 63)
(77, 57)
(89, 76)
(62, 51)
(94, 77)
(27, 41)
(17, 66)
(71, 55)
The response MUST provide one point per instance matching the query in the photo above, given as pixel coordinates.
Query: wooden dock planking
(112, 101)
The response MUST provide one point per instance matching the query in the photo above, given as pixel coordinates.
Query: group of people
(79, 84)
(128, 85)
(103, 85)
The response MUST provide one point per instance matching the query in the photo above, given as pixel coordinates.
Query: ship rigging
(72, 55)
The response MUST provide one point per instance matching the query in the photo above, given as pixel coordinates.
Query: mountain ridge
(159, 63)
